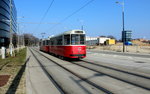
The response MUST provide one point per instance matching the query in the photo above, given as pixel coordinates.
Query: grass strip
(12, 66)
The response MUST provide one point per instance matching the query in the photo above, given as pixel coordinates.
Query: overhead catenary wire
(66, 18)
(37, 23)
(45, 14)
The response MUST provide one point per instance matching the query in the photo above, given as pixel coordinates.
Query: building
(6, 14)
(91, 40)
(110, 42)
(102, 40)
(99, 41)
(126, 36)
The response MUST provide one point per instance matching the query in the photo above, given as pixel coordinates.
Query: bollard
(3, 51)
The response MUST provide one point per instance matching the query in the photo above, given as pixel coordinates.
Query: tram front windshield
(78, 39)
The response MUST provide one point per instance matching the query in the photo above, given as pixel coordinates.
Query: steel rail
(79, 76)
(49, 76)
(137, 85)
(142, 76)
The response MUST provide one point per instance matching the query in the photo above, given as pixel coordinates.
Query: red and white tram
(44, 45)
(70, 44)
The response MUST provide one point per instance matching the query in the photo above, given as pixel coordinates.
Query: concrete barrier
(3, 52)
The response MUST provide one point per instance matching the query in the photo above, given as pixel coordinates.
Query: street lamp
(122, 3)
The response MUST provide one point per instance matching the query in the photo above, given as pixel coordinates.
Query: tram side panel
(42, 48)
(69, 51)
(77, 52)
(57, 50)
(46, 48)
(72, 51)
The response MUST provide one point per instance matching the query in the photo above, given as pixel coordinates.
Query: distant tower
(126, 36)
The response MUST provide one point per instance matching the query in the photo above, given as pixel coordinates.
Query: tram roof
(71, 32)
(45, 39)
(74, 32)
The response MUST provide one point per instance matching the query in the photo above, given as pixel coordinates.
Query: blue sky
(101, 17)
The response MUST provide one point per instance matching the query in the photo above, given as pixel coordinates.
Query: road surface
(103, 73)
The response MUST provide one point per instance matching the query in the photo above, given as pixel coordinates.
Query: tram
(44, 45)
(70, 44)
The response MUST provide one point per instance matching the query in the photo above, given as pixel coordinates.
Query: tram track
(77, 75)
(109, 75)
(117, 71)
(48, 75)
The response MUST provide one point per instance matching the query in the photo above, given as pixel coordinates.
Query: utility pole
(122, 3)
(123, 25)
(23, 41)
(18, 39)
(81, 22)
(11, 47)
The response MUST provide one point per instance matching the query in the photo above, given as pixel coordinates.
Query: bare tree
(30, 40)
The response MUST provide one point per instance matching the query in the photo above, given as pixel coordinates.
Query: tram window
(59, 40)
(82, 39)
(75, 39)
(66, 39)
(52, 41)
(43, 42)
(55, 41)
(47, 42)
